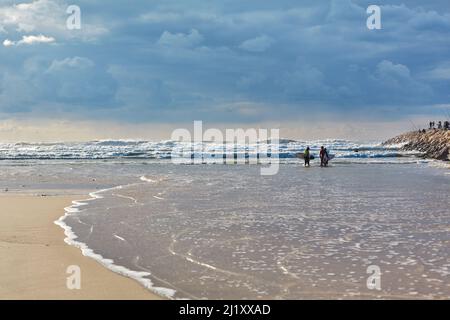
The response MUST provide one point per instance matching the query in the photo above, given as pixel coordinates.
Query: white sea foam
(118, 237)
(440, 164)
(71, 237)
(146, 179)
(162, 150)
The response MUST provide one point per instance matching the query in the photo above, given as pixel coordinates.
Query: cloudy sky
(306, 66)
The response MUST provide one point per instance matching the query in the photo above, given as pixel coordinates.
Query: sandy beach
(35, 257)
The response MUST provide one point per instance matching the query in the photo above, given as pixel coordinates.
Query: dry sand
(34, 258)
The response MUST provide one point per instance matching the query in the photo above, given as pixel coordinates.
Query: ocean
(224, 231)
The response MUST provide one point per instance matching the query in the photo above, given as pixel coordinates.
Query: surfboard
(330, 157)
(302, 156)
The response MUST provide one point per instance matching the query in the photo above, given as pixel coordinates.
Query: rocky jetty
(433, 143)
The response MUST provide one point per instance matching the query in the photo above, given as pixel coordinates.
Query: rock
(442, 154)
(433, 143)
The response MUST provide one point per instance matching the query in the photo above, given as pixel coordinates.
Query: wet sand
(34, 256)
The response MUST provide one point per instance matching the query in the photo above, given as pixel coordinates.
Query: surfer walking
(324, 157)
(307, 156)
(322, 154)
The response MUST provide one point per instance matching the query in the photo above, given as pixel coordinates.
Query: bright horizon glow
(12, 131)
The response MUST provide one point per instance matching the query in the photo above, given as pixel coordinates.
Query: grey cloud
(70, 82)
(172, 60)
(258, 44)
(190, 39)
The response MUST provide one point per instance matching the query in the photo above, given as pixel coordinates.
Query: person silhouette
(307, 156)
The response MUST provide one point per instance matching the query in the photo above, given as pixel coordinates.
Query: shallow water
(225, 231)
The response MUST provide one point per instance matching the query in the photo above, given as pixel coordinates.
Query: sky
(143, 68)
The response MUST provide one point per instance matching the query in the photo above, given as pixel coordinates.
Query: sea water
(226, 232)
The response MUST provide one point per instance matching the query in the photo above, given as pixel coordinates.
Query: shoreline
(71, 240)
(35, 256)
